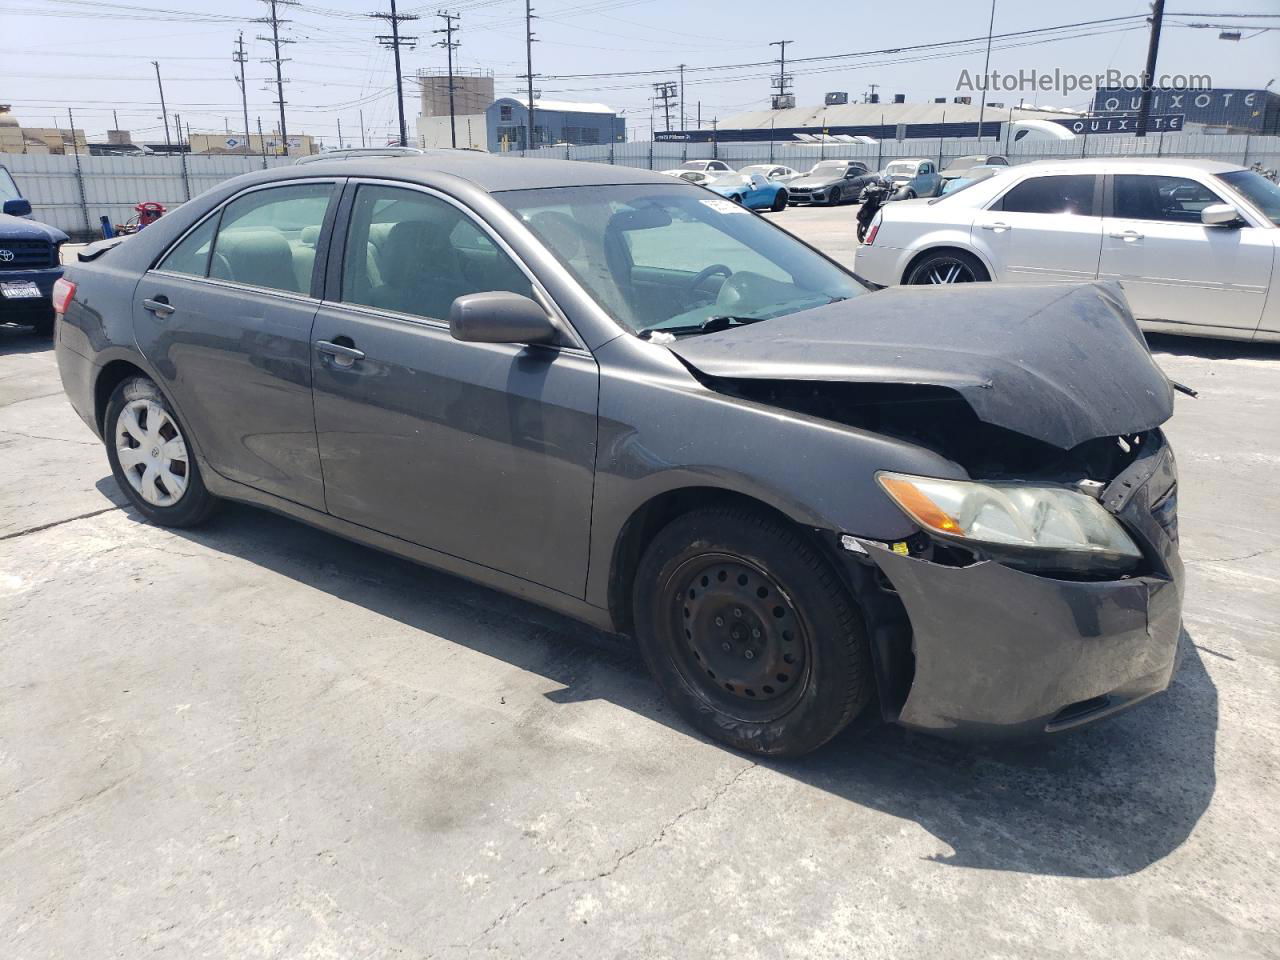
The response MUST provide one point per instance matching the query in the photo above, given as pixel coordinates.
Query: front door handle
(1127, 235)
(160, 306)
(997, 226)
(343, 356)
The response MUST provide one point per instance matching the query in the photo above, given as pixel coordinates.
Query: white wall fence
(1240, 149)
(73, 192)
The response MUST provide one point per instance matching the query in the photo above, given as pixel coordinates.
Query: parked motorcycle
(874, 196)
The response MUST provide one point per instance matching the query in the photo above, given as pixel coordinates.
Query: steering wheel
(704, 275)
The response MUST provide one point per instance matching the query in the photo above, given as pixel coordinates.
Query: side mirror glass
(500, 317)
(20, 207)
(1219, 215)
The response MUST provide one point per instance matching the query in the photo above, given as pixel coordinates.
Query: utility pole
(870, 96)
(1153, 48)
(783, 80)
(115, 120)
(240, 57)
(362, 140)
(279, 61)
(682, 97)
(164, 113)
(528, 53)
(986, 70)
(449, 45)
(340, 143)
(666, 92)
(262, 144)
(395, 42)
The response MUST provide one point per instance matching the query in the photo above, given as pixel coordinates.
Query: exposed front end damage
(998, 651)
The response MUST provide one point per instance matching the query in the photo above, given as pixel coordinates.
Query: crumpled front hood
(1062, 364)
(20, 228)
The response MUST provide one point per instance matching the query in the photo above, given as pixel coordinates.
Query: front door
(482, 451)
(225, 321)
(1042, 229)
(1173, 267)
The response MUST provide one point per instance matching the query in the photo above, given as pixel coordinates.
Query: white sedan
(772, 171)
(1195, 244)
(700, 177)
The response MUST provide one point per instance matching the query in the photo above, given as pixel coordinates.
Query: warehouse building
(554, 122)
(882, 121)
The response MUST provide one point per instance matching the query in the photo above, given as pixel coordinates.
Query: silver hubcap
(948, 271)
(152, 453)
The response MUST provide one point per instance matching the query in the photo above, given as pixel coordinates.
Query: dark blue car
(30, 262)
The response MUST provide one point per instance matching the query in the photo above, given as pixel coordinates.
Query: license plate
(20, 291)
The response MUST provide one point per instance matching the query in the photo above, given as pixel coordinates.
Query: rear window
(1056, 194)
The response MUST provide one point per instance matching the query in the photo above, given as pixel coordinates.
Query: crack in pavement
(57, 523)
(513, 912)
(1247, 556)
(36, 436)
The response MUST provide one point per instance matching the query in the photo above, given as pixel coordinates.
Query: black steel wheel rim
(737, 636)
(944, 270)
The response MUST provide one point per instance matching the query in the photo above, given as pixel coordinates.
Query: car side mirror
(1219, 215)
(500, 317)
(21, 207)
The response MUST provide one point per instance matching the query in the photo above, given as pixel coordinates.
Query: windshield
(670, 259)
(900, 170)
(1259, 191)
(731, 180)
(828, 166)
(8, 189)
(694, 165)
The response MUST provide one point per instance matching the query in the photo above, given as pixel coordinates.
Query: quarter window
(414, 253)
(1061, 194)
(191, 256)
(1173, 199)
(268, 237)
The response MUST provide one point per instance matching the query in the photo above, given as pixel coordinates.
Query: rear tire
(779, 202)
(946, 266)
(750, 633)
(150, 456)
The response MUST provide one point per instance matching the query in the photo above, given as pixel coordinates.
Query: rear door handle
(996, 226)
(1127, 235)
(160, 306)
(343, 356)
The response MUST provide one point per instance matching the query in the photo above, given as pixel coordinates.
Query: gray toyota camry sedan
(632, 401)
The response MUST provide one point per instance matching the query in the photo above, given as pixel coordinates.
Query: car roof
(490, 172)
(1111, 164)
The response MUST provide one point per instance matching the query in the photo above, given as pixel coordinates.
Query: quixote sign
(1125, 124)
(1239, 109)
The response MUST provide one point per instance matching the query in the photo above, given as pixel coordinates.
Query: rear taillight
(871, 232)
(63, 291)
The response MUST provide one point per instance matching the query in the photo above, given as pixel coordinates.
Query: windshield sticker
(724, 206)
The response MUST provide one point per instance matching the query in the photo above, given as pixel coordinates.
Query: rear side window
(191, 256)
(268, 237)
(1060, 194)
(413, 253)
(1173, 199)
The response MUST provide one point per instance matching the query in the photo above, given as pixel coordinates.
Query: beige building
(15, 138)
(300, 144)
(472, 92)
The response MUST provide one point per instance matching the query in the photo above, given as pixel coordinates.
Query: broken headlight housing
(1045, 528)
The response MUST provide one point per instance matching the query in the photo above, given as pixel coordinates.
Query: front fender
(661, 430)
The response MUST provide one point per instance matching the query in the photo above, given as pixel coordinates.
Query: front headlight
(1011, 518)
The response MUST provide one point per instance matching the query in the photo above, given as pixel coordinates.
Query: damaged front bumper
(996, 651)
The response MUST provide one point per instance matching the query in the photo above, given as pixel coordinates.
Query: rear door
(1174, 268)
(1043, 228)
(225, 321)
(482, 451)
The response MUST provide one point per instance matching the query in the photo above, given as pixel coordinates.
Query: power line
(395, 42)
(449, 45)
(276, 40)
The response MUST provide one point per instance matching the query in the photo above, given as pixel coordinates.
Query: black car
(616, 395)
(830, 182)
(30, 261)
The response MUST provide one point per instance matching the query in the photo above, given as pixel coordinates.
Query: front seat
(421, 270)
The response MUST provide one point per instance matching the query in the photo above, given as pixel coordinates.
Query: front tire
(750, 633)
(150, 458)
(836, 197)
(947, 266)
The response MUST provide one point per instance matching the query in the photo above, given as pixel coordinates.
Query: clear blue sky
(94, 55)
